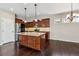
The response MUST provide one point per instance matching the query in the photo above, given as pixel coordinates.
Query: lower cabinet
(31, 42)
(23, 40)
(35, 42)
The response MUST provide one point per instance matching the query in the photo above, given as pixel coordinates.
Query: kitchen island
(34, 40)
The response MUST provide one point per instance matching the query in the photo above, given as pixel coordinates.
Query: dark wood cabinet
(23, 40)
(35, 42)
(42, 23)
(29, 24)
(30, 41)
(19, 20)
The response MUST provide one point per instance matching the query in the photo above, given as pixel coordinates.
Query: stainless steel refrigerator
(18, 29)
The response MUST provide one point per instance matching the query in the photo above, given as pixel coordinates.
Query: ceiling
(42, 8)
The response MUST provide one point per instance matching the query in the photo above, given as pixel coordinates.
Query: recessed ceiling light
(25, 3)
(11, 9)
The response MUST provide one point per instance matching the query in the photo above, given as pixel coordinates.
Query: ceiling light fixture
(25, 15)
(25, 3)
(35, 12)
(36, 20)
(11, 9)
(72, 15)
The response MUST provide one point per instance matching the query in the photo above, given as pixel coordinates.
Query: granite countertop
(31, 33)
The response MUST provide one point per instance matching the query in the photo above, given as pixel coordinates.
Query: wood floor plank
(53, 48)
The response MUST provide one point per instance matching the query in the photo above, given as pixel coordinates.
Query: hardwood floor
(53, 48)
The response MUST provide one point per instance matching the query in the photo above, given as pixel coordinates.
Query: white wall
(66, 32)
(7, 27)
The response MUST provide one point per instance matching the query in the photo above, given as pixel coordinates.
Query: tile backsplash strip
(47, 29)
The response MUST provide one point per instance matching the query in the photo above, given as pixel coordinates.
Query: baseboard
(6, 42)
(65, 40)
(1, 43)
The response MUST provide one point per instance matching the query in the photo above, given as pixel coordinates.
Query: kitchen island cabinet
(34, 40)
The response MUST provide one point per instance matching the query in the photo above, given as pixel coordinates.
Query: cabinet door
(31, 41)
(37, 43)
(23, 40)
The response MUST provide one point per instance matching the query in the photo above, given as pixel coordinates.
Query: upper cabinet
(40, 23)
(44, 23)
(30, 24)
(19, 20)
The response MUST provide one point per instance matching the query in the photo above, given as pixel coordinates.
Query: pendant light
(71, 16)
(36, 20)
(35, 12)
(25, 15)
